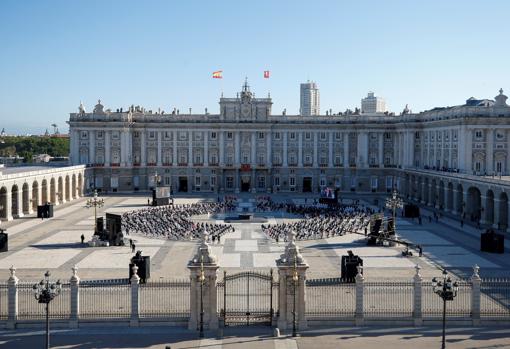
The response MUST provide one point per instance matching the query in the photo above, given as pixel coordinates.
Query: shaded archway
(74, 189)
(44, 191)
(67, 194)
(459, 200)
(441, 194)
(489, 207)
(419, 188)
(449, 197)
(25, 198)
(53, 192)
(3, 203)
(426, 191)
(35, 195)
(474, 204)
(15, 209)
(60, 190)
(503, 211)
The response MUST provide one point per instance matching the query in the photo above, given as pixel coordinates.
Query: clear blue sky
(162, 53)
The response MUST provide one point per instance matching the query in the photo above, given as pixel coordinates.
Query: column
(411, 147)
(129, 140)
(396, 148)
(8, 206)
(12, 299)
(445, 199)
(237, 150)
(483, 209)
(269, 159)
(417, 283)
(469, 152)
(300, 149)
(175, 161)
(423, 192)
(455, 205)
(380, 140)
(190, 149)
(497, 202)
(346, 149)
(123, 148)
(135, 295)
(74, 283)
(159, 155)
(143, 149)
(462, 140)
(315, 149)
(20, 214)
(107, 149)
(360, 280)
(222, 150)
(29, 192)
(330, 149)
(206, 148)
(285, 149)
(75, 147)
(476, 282)
(92, 147)
(489, 151)
(253, 150)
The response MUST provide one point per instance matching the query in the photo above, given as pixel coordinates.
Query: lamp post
(295, 278)
(95, 202)
(201, 278)
(447, 290)
(393, 203)
(44, 292)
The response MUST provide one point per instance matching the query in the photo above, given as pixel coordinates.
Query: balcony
(182, 164)
(245, 167)
(198, 164)
(136, 164)
(151, 164)
(114, 165)
(167, 164)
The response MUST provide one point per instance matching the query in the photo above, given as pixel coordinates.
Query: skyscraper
(310, 100)
(372, 104)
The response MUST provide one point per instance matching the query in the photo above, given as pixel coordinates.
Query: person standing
(82, 237)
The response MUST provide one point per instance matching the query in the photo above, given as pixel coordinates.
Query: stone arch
(503, 211)
(474, 204)
(60, 190)
(3, 203)
(426, 191)
(15, 204)
(67, 194)
(74, 188)
(53, 191)
(489, 207)
(44, 191)
(25, 198)
(449, 197)
(441, 193)
(419, 189)
(459, 202)
(35, 195)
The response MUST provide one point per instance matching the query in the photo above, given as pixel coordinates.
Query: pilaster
(12, 298)
(75, 298)
(476, 282)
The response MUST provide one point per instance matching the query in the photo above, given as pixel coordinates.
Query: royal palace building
(454, 158)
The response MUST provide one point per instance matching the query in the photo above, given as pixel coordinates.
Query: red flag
(217, 74)
(266, 74)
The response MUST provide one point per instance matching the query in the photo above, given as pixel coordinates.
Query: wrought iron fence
(165, 299)
(333, 297)
(30, 309)
(495, 298)
(388, 298)
(4, 301)
(460, 306)
(105, 301)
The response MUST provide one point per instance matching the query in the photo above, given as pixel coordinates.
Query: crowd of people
(174, 222)
(321, 222)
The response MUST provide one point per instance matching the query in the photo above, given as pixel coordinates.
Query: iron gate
(248, 298)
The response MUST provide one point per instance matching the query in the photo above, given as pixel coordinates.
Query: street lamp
(44, 292)
(447, 291)
(393, 203)
(201, 278)
(295, 278)
(95, 202)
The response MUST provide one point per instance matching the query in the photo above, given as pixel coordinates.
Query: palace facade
(430, 156)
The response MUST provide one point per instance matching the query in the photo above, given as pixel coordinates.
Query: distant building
(372, 104)
(310, 99)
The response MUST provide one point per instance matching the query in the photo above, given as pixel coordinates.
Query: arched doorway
(60, 191)
(44, 191)
(35, 195)
(74, 189)
(15, 209)
(25, 198)
(489, 207)
(460, 204)
(449, 197)
(53, 192)
(503, 211)
(68, 189)
(474, 204)
(3, 203)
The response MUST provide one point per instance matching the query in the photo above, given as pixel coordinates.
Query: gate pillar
(203, 276)
(292, 279)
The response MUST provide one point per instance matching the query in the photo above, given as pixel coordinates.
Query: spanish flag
(217, 74)
(266, 74)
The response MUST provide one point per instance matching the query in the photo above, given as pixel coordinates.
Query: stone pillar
(20, 214)
(330, 149)
(203, 293)
(221, 160)
(159, 155)
(75, 298)
(206, 149)
(292, 277)
(29, 198)
(475, 295)
(107, 149)
(423, 191)
(175, 161)
(446, 191)
(300, 149)
(417, 280)
(346, 149)
(92, 147)
(143, 148)
(483, 209)
(360, 280)
(490, 152)
(495, 208)
(381, 149)
(285, 151)
(12, 299)
(253, 150)
(455, 205)
(135, 295)
(190, 149)
(269, 159)
(315, 149)
(237, 149)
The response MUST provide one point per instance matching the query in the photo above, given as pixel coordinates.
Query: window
(198, 181)
(261, 182)
(183, 136)
(261, 135)
(168, 135)
(277, 159)
(214, 158)
(230, 135)
(214, 135)
(338, 159)
(374, 182)
(115, 135)
(387, 135)
(136, 134)
(389, 182)
(276, 181)
(198, 158)
(99, 135)
(292, 135)
(183, 159)
(277, 135)
(213, 181)
(261, 159)
(323, 136)
(322, 182)
(230, 182)
(338, 136)
(308, 136)
(198, 136)
(292, 159)
(84, 135)
(152, 135)
(500, 135)
(499, 167)
(478, 166)
(292, 181)
(246, 158)
(478, 134)
(230, 159)
(308, 159)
